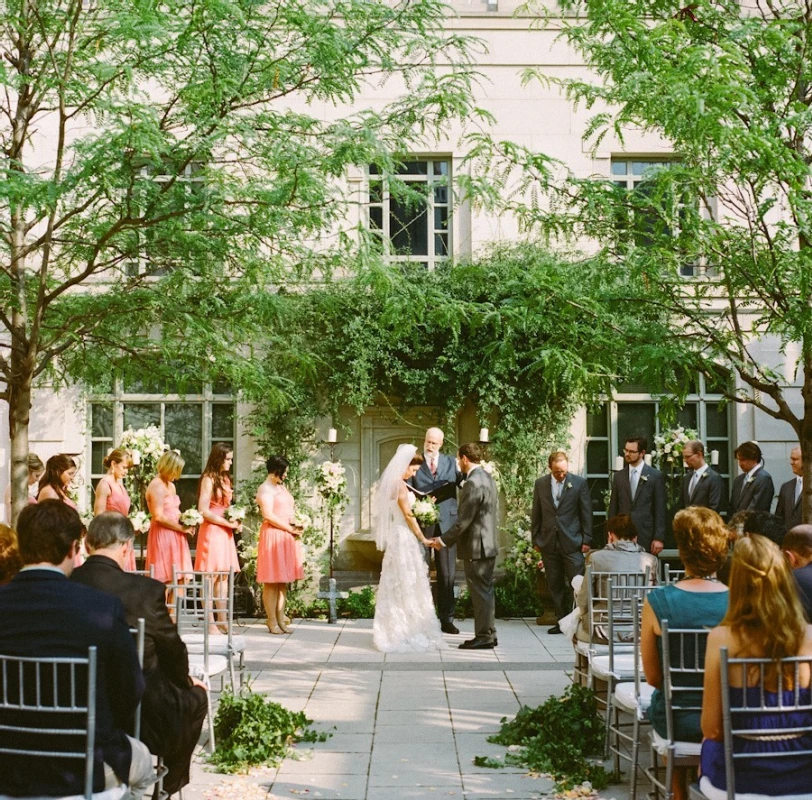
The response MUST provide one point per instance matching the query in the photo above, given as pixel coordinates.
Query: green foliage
(515, 596)
(358, 605)
(488, 762)
(251, 730)
(557, 738)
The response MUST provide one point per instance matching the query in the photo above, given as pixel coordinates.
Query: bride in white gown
(405, 621)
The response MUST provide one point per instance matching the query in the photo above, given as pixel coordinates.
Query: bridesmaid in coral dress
(60, 470)
(279, 559)
(167, 545)
(216, 549)
(111, 494)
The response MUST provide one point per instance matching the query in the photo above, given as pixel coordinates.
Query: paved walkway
(404, 726)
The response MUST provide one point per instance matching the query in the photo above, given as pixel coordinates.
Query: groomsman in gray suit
(639, 491)
(753, 490)
(789, 495)
(561, 527)
(701, 486)
(475, 530)
(437, 470)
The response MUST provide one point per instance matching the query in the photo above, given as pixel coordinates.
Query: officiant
(439, 474)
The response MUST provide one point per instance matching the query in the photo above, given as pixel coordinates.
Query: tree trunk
(19, 409)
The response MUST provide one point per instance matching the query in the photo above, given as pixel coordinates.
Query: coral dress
(216, 550)
(119, 500)
(168, 550)
(279, 555)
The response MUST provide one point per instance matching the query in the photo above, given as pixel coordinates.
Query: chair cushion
(683, 749)
(217, 664)
(626, 699)
(217, 644)
(712, 793)
(624, 666)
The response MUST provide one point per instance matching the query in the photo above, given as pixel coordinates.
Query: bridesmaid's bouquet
(191, 518)
(300, 520)
(235, 513)
(425, 511)
(140, 521)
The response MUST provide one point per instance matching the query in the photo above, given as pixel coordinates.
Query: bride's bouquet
(235, 513)
(425, 511)
(191, 518)
(300, 520)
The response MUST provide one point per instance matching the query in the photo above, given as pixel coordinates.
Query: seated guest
(174, 705)
(44, 614)
(621, 554)
(797, 547)
(10, 563)
(764, 620)
(697, 601)
(746, 523)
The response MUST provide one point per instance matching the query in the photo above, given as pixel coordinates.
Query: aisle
(404, 726)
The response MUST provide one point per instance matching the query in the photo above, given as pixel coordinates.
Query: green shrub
(359, 605)
(251, 730)
(515, 596)
(557, 737)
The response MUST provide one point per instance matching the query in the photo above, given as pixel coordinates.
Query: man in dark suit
(561, 527)
(797, 547)
(46, 615)
(639, 491)
(174, 705)
(475, 530)
(701, 485)
(753, 490)
(789, 495)
(439, 469)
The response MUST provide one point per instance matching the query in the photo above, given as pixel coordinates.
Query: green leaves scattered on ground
(556, 738)
(251, 730)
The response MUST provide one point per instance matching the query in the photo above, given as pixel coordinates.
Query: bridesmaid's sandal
(284, 628)
(276, 630)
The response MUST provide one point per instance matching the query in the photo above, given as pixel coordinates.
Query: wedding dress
(405, 621)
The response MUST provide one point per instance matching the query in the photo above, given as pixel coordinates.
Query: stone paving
(403, 725)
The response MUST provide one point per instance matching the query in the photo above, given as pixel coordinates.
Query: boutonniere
(644, 477)
(703, 476)
(569, 486)
(750, 479)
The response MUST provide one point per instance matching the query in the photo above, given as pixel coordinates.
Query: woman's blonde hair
(764, 613)
(170, 465)
(10, 561)
(702, 540)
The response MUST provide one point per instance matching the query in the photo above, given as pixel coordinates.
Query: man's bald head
(797, 544)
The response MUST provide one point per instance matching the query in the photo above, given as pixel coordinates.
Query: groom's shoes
(479, 644)
(449, 627)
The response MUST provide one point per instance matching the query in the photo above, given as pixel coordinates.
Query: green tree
(166, 166)
(711, 256)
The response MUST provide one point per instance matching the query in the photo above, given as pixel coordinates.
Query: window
(162, 192)
(191, 423)
(664, 216)
(411, 216)
(633, 412)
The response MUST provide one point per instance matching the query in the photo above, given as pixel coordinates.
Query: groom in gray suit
(561, 527)
(475, 530)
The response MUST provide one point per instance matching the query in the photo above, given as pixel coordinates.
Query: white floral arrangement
(140, 521)
(425, 511)
(493, 470)
(235, 513)
(668, 445)
(331, 484)
(144, 444)
(522, 556)
(86, 517)
(191, 518)
(301, 520)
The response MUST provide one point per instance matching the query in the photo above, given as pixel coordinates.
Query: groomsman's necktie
(557, 492)
(633, 476)
(433, 465)
(692, 485)
(799, 485)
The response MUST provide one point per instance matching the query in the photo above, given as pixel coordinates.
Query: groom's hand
(436, 543)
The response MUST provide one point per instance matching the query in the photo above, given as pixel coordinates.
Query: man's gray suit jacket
(571, 523)
(787, 508)
(757, 495)
(647, 510)
(707, 492)
(474, 532)
(424, 481)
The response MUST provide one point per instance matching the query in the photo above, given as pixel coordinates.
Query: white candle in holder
(332, 436)
(715, 458)
(648, 459)
(619, 463)
(483, 435)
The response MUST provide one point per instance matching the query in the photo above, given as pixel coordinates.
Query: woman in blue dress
(764, 620)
